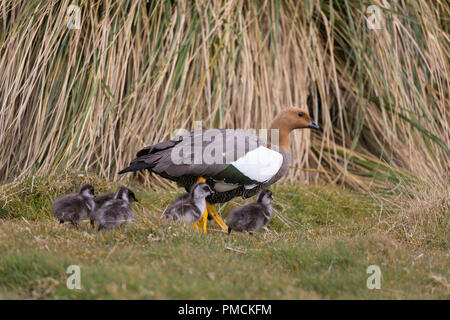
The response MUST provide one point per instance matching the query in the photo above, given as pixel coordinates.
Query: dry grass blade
(88, 99)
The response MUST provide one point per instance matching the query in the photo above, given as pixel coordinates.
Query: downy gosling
(252, 216)
(191, 206)
(75, 207)
(115, 212)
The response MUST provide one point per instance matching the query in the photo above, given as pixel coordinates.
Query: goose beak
(314, 125)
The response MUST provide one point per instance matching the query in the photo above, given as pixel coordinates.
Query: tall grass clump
(135, 71)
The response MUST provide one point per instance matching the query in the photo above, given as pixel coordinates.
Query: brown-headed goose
(191, 207)
(232, 162)
(252, 216)
(76, 206)
(115, 212)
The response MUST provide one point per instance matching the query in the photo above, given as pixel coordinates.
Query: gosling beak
(314, 125)
(133, 197)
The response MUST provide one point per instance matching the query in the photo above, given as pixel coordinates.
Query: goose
(190, 207)
(74, 207)
(252, 216)
(232, 162)
(115, 212)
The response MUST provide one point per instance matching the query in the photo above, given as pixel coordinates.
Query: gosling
(75, 207)
(100, 200)
(190, 207)
(115, 212)
(252, 216)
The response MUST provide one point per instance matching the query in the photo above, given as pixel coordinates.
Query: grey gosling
(100, 200)
(191, 206)
(252, 216)
(116, 211)
(74, 207)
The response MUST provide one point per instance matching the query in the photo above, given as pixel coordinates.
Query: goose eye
(300, 114)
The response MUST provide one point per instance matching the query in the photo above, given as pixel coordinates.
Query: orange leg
(212, 211)
(201, 224)
(215, 215)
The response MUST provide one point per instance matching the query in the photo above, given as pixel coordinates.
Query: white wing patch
(260, 164)
(221, 186)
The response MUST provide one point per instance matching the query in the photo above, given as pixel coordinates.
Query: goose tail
(135, 167)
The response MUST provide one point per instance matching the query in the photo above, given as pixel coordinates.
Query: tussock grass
(319, 246)
(419, 214)
(89, 99)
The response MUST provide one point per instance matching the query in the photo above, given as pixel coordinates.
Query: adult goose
(232, 162)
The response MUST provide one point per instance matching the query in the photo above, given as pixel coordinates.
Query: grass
(319, 247)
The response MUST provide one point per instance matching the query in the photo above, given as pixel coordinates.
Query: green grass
(330, 235)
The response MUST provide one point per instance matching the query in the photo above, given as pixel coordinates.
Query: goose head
(294, 118)
(290, 119)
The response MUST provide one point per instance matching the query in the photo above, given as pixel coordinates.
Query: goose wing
(232, 156)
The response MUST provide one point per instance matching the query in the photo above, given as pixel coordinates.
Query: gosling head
(201, 190)
(125, 194)
(265, 197)
(87, 191)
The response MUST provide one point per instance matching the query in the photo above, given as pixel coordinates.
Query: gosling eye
(300, 114)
